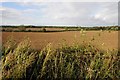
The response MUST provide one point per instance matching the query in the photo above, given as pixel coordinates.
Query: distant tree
(44, 30)
(3, 29)
(29, 30)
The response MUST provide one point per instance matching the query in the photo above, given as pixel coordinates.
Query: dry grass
(103, 39)
(84, 62)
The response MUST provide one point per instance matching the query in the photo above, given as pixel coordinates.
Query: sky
(59, 13)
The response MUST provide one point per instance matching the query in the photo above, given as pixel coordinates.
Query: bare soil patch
(102, 39)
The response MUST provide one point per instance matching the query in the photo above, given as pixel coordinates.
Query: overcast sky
(59, 13)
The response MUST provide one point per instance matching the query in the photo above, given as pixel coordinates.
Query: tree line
(22, 28)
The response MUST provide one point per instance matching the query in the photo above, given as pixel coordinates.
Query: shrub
(44, 30)
(3, 29)
(29, 30)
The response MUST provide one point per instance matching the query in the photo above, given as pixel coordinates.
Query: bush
(3, 29)
(44, 30)
(29, 30)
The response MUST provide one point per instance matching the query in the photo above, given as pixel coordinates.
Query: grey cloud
(59, 1)
(14, 16)
(65, 13)
(82, 13)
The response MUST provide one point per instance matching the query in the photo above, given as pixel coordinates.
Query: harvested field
(102, 39)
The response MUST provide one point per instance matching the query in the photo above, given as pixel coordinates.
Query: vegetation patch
(23, 28)
(71, 62)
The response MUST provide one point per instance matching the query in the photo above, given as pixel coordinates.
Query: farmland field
(83, 55)
(60, 40)
(101, 39)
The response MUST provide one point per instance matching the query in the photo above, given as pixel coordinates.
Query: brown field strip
(102, 39)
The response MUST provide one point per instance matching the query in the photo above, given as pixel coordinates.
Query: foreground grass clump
(72, 62)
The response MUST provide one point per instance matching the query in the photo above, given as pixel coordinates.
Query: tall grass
(72, 62)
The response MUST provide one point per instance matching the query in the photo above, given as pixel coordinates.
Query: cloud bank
(60, 13)
(59, 1)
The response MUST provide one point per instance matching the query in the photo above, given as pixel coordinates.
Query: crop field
(60, 40)
(85, 55)
(101, 39)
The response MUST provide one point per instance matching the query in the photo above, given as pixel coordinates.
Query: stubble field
(102, 39)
